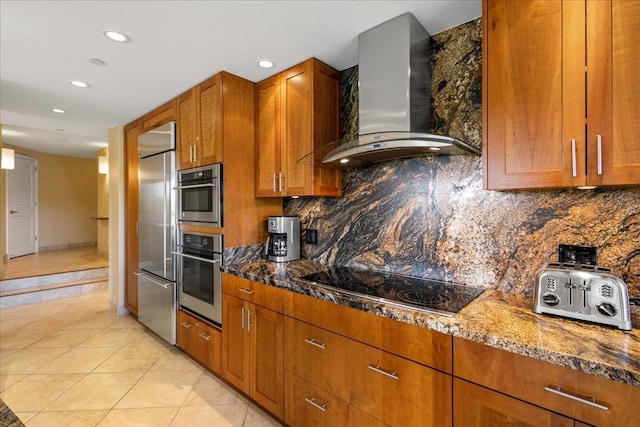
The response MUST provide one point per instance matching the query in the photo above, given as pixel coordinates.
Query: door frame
(35, 210)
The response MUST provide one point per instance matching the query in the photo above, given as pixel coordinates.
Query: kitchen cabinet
(479, 406)
(543, 62)
(161, 115)
(297, 112)
(350, 378)
(131, 132)
(200, 118)
(199, 340)
(252, 345)
(577, 395)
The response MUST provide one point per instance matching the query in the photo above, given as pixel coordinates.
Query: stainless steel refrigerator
(157, 231)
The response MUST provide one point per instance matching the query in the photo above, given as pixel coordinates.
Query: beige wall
(102, 194)
(66, 200)
(3, 215)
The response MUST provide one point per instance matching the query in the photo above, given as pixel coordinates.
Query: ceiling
(173, 46)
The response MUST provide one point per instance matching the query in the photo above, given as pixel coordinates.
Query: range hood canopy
(394, 84)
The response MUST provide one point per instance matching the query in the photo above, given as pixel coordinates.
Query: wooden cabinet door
(534, 94)
(268, 138)
(398, 391)
(188, 339)
(297, 128)
(613, 108)
(235, 343)
(266, 330)
(131, 194)
(186, 132)
(209, 114)
(478, 406)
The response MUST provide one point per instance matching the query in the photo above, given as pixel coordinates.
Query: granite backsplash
(430, 217)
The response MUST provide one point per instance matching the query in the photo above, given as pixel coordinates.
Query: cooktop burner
(434, 296)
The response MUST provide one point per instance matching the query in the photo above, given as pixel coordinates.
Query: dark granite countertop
(498, 319)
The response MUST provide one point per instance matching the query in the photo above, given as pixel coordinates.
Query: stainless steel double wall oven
(199, 255)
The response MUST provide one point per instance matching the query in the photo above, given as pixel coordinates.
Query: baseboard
(67, 246)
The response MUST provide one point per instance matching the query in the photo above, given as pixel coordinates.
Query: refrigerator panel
(157, 140)
(156, 215)
(157, 305)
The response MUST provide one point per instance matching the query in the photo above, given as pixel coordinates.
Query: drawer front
(547, 385)
(419, 344)
(397, 391)
(478, 406)
(319, 356)
(254, 292)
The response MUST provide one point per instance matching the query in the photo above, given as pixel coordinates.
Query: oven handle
(210, 261)
(182, 187)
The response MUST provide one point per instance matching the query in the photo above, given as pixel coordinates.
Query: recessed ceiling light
(96, 61)
(78, 83)
(265, 63)
(58, 110)
(116, 36)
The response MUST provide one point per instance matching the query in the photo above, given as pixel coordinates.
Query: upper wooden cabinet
(297, 111)
(200, 124)
(543, 62)
(161, 115)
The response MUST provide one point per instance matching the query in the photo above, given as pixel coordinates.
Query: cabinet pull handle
(313, 403)
(191, 154)
(316, 343)
(249, 325)
(246, 291)
(574, 163)
(280, 181)
(599, 146)
(379, 370)
(242, 324)
(185, 324)
(205, 336)
(195, 152)
(591, 401)
(274, 182)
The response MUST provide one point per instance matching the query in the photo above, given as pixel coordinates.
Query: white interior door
(22, 205)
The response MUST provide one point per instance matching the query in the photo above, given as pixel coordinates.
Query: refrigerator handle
(145, 277)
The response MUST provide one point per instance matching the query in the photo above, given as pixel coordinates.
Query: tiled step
(31, 290)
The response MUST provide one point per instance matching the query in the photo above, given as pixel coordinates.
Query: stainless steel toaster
(585, 292)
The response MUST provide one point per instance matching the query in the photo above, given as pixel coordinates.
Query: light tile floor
(72, 362)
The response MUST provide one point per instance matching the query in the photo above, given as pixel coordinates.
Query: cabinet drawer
(533, 381)
(199, 340)
(397, 391)
(306, 404)
(254, 292)
(317, 355)
(478, 406)
(419, 344)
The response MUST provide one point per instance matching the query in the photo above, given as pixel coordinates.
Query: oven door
(200, 285)
(201, 203)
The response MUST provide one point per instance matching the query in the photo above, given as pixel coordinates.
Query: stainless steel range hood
(394, 68)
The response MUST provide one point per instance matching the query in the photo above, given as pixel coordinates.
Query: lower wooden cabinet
(309, 405)
(478, 406)
(199, 340)
(252, 357)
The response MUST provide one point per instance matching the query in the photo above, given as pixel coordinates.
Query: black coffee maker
(283, 243)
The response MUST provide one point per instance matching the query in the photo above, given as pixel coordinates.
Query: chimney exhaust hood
(394, 84)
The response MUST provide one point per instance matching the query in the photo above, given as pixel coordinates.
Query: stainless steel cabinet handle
(144, 276)
(210, 261)
(280, 181)
(242, 324)
(205, 336)
(591, 401)
(191, 154)
(185, 324)
(246, 291)
(379, 370)
(313, 403)
(274, 182)
(315, 343)
(195, 152)
(249, 325)
(574, 162)
(599, 146)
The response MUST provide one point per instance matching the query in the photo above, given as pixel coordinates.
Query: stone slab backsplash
(430, 217)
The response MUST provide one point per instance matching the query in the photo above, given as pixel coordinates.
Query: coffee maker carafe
(283, 243)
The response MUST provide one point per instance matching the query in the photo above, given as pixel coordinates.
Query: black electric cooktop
(433, 296)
